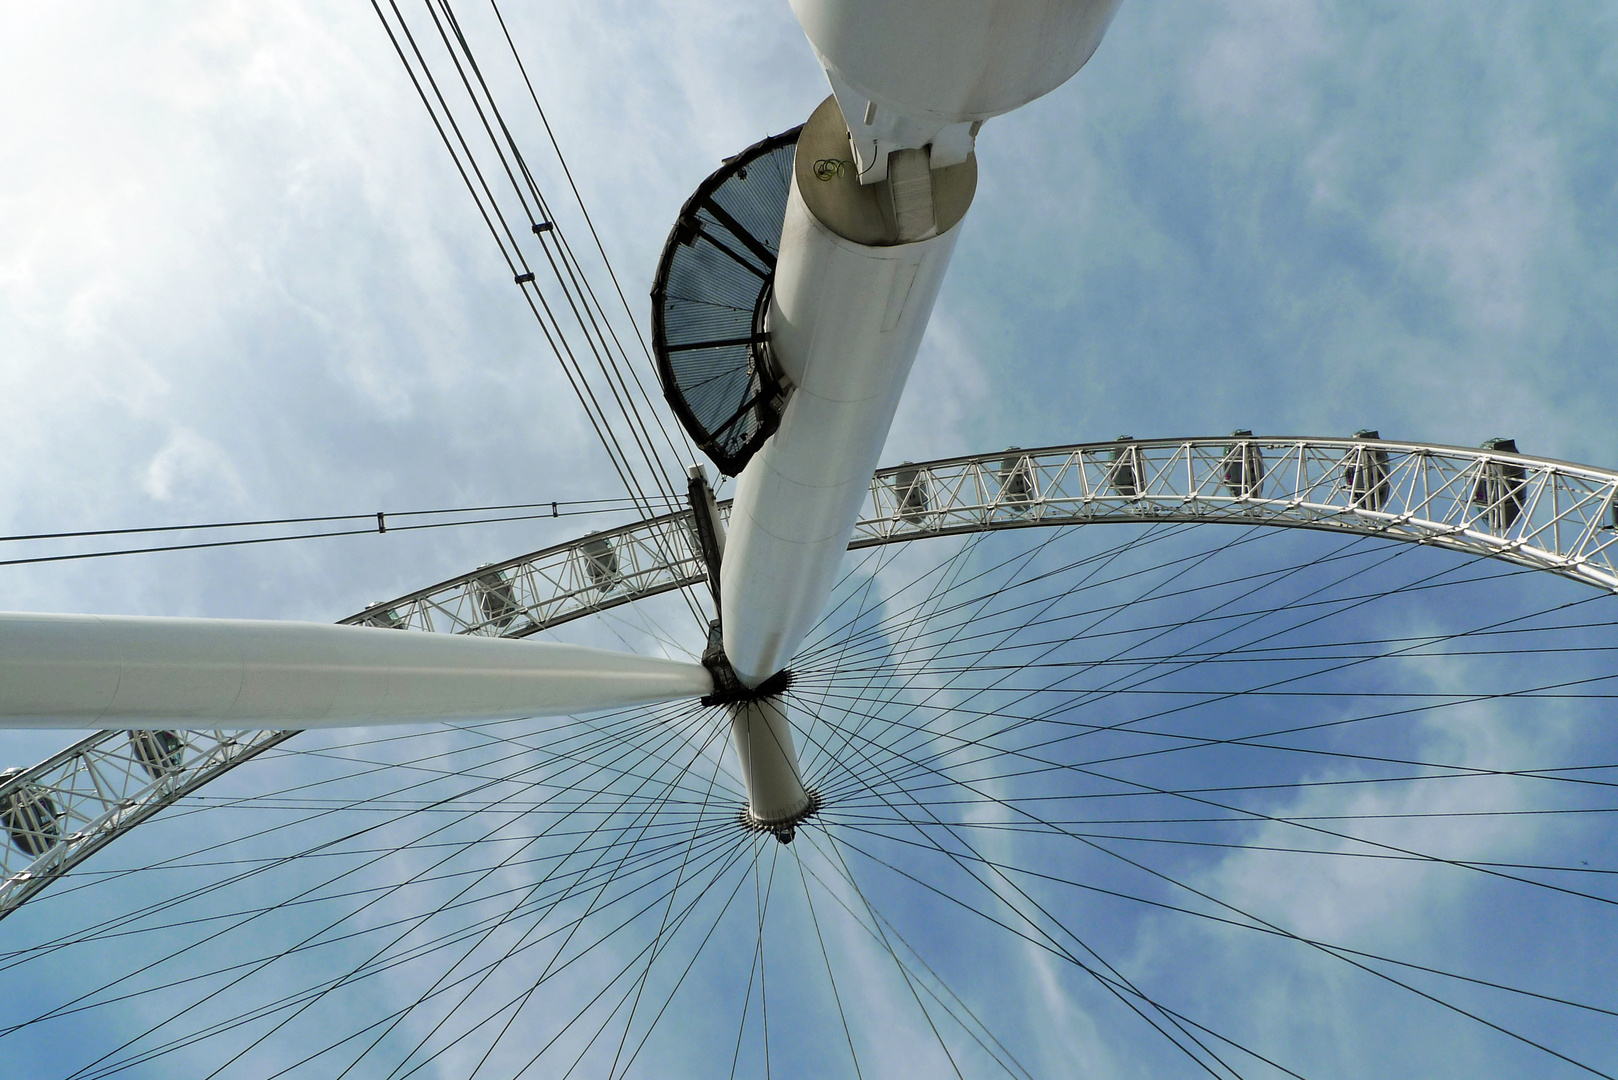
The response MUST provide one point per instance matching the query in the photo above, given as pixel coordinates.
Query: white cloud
(1255, 67)
(192, 469)
(1486, 238)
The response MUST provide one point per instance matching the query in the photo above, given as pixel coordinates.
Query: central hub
(776, 797)
(783, 831)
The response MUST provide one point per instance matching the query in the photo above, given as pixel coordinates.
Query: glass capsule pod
(1244, 467)
(30, 816)
(160, 753)
(1366, 474)
(1501, 488)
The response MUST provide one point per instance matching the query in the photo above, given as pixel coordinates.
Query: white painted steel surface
(845, 323)
(88, 671)
(911, 74)
(763, 740)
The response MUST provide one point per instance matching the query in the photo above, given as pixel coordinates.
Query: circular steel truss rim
(104, 790)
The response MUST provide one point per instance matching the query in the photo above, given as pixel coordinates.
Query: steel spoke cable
(605, 739)
(689, 450)
(1017, 569)
(736, 851)
(1151, 592)
(1106, 983)
(860, 599)
(1193, 742)
(243, 1018)
(511, 255)
(309, 891)
(977, 1021)
(908, 616)
(1018, 565)
(488, 872)
(1120, 988)
(1383, 975)
(260, 833)
(1117, 984)
(722, 842)
(1004, 635)
(1086, 770)
(995, 893)
(644, 815)
(1244, 924)
(510, 952)
(1150, 535)
(878, 919)
(662, 925)
(825, 957)
(1192, 590)
(1036, 928)
(669, 998)
(1125, 724)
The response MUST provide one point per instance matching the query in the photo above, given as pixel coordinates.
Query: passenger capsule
(160, 753)
(30, 816)
(601, 561)
(1501, 487)
(495, 600)
(1016, 482)
(385, 618)
(1124, 475)
(910, 493)
(1244, 467)
(1366, 474)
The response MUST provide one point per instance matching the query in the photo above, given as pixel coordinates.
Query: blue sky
(238, 278)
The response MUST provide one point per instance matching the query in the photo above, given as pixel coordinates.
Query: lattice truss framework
(1539, 513)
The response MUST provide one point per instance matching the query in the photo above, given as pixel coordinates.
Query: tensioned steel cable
(690, 451)
(553, 234)
(980, 796)
(567, 278)
(501, 235)
(477, 186)
(589, 316)
(378, 523)
(1202, 652)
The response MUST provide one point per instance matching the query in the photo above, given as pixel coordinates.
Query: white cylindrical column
(845, 322)
(98, 671)
(763, 740)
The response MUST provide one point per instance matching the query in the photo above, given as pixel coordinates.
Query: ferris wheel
(924, 796)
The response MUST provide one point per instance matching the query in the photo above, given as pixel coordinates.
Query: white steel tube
(98, 671)
(845, 323)
(763, 741)
(911, 74)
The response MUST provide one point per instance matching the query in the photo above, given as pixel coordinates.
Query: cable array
(576, 326)
(378, 522)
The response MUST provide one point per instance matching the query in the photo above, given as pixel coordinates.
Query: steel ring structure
(1536, 513)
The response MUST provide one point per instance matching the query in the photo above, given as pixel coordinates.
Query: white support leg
(100, 671)
(763, 740)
